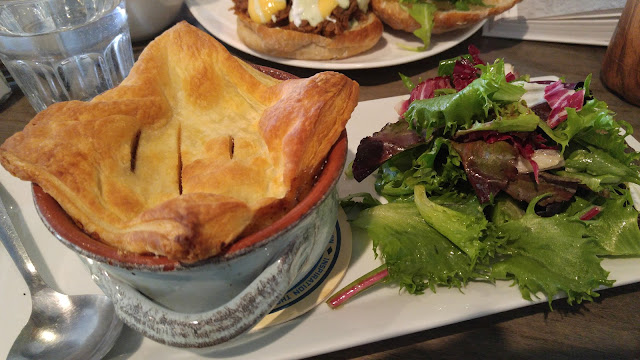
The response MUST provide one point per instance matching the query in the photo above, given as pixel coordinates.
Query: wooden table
(608, 328)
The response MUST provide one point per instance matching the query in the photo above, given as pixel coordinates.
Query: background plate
(381, 313)
(219, 20)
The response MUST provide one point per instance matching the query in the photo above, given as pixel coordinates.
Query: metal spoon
(60, 326)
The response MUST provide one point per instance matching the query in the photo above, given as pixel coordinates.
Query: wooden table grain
(607, 328)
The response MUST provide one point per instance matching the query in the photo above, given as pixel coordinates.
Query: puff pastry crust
(192, 150)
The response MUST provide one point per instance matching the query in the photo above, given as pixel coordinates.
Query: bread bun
(445, 19)
(307, 46)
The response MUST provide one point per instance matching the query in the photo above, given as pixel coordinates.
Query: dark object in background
(621, 65)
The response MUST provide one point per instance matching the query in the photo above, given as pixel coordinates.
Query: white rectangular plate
(378, 314)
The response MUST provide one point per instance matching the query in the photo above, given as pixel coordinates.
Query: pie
(194, 149)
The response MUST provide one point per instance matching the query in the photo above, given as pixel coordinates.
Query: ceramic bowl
(148, 18)
(214, 300)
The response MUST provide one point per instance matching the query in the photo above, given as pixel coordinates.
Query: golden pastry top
(193, 149)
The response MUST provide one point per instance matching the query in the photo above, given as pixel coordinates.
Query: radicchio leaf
(381, 146)
(475, 54)
(464, 73)
(559, 98)
(425, 90)
(465, 70)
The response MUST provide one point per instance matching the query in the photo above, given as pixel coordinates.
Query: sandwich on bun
(307, 29)
(426, 17)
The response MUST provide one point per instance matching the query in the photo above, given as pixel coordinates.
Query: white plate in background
(219, 20)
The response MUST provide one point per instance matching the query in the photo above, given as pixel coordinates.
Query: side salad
(484, 180)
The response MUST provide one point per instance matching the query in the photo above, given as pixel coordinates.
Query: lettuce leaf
(616, 226)
(422, 13)
(464, 230)
(594, 125)
(352, 207)
(550, 255)
(463, 5)
(446, 67)
(461, 110)
(374, 150)
(526, 122)
(437, 166)
(417, 256)
(599, 165)
(489, 167)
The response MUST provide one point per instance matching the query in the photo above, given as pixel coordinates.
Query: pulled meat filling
(338, 23)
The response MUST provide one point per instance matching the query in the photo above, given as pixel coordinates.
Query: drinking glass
(59, 50)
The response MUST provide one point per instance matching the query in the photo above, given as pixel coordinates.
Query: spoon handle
(18, 253)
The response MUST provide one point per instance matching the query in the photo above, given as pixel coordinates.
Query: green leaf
(462, 229)
(520, 123)
(446, 66)
(423, 14)
(436, 166)
(466, 107)
(594, 125)
(417, 256)
(616, 226)
(598, 163)
(550, 255)
(587, 86)
(407, 81)
(595, 183)
(352, 207)
(505, 209)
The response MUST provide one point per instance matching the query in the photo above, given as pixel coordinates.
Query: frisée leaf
(550, 256)
(616, 226)
(463, 230)
(460, 110)
(598, 163)
(417, 256)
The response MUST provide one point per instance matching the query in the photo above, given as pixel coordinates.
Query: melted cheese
(363, 5)
(262, 11)
(314, 11)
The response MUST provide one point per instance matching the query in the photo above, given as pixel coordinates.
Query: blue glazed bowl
(215, 300)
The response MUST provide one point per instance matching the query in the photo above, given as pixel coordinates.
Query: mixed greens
(482, 186)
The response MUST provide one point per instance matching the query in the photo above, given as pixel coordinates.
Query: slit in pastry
(134, 150)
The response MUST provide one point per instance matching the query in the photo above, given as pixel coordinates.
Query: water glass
(59, 50)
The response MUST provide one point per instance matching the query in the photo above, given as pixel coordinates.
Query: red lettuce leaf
(525, 142)
(489, 167)
(374, 150)
(525, 188)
